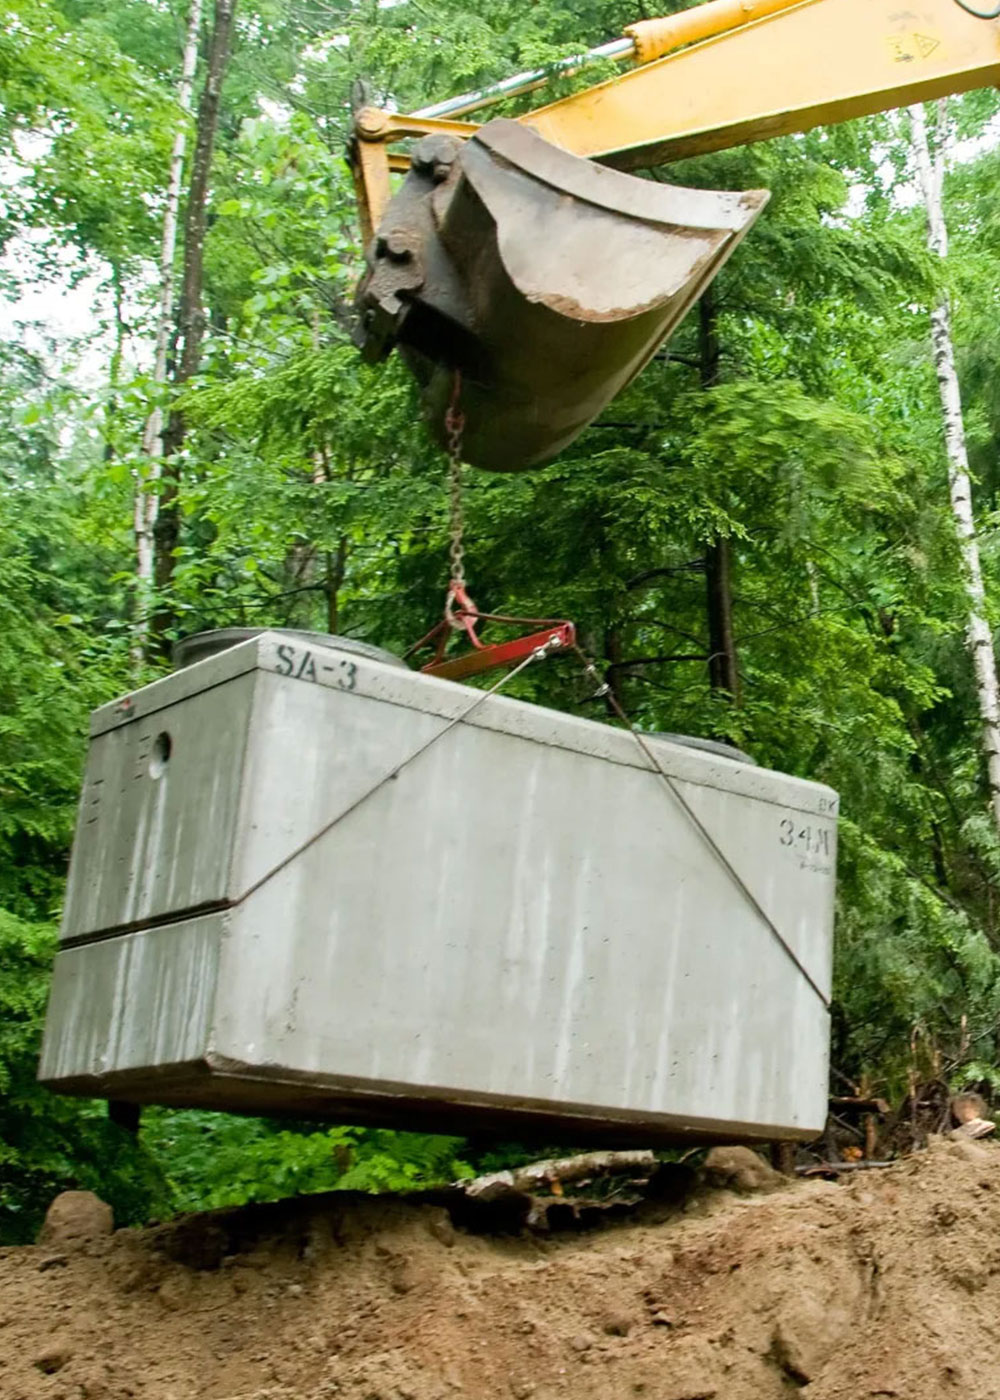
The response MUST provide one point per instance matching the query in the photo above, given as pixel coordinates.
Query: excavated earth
(884, 1284)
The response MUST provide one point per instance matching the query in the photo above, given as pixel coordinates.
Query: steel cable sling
(654, 765)
(604, 690)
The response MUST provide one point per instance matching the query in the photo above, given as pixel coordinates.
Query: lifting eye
(160, 756)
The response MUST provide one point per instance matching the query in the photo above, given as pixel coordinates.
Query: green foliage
(310, 496)
(98, 138)
(50, 1144)
(54, 667)
(214, 1160)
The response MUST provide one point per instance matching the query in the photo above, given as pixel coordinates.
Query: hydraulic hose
(979, 14)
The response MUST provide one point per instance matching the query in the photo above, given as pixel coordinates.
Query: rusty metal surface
(548, 281)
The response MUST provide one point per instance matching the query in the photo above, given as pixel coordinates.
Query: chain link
(454, 422)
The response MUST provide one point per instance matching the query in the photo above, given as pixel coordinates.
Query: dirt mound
(74, 1219)
(886, 1285)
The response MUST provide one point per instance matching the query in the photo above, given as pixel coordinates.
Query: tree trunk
(115, 374)
(539, 1175)
(723, 671)
(146, 497)
(191, 315)
(978, 636)
(336, 565)
(723, 666)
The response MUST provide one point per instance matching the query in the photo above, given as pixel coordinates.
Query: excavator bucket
(548, 281)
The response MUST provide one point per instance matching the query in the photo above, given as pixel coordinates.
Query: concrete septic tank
(523, 929)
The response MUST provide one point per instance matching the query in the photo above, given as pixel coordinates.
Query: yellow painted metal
(376, 124)
(372, 189)
(822, 61)
(371, 161)
(655, 37)
(770, 68)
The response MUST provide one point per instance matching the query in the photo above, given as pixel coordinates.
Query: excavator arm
(519, 255)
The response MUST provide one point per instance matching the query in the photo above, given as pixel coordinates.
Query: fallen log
(849, 1103)
(537, 1175)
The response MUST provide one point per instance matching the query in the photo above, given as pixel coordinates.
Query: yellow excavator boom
(785, 68)
(501, 258)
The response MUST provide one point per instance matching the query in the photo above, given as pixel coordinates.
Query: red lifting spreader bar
(462, 615)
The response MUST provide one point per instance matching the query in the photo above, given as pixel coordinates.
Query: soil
(883, 1284)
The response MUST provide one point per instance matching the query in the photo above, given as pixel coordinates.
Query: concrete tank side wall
(314, 752)
(158, 813)
(133, 1002)
(525, 922)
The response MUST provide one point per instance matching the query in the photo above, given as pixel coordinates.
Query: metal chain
(454, 422)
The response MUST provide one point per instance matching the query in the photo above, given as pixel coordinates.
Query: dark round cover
(202, 645)
(691, 741)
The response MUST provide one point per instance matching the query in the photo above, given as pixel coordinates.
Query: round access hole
(160, 756)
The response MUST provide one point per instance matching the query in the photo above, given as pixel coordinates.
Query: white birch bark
(979, 639)
(146, 499)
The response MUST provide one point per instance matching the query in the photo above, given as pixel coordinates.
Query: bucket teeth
(546, 279)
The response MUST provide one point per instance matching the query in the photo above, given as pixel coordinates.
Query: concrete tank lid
(201, 645)
(399, 685)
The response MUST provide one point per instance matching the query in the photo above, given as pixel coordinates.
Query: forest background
(755, 540)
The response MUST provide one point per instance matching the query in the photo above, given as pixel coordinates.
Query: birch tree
(146, 496)
(979, 637)
(191, 319)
